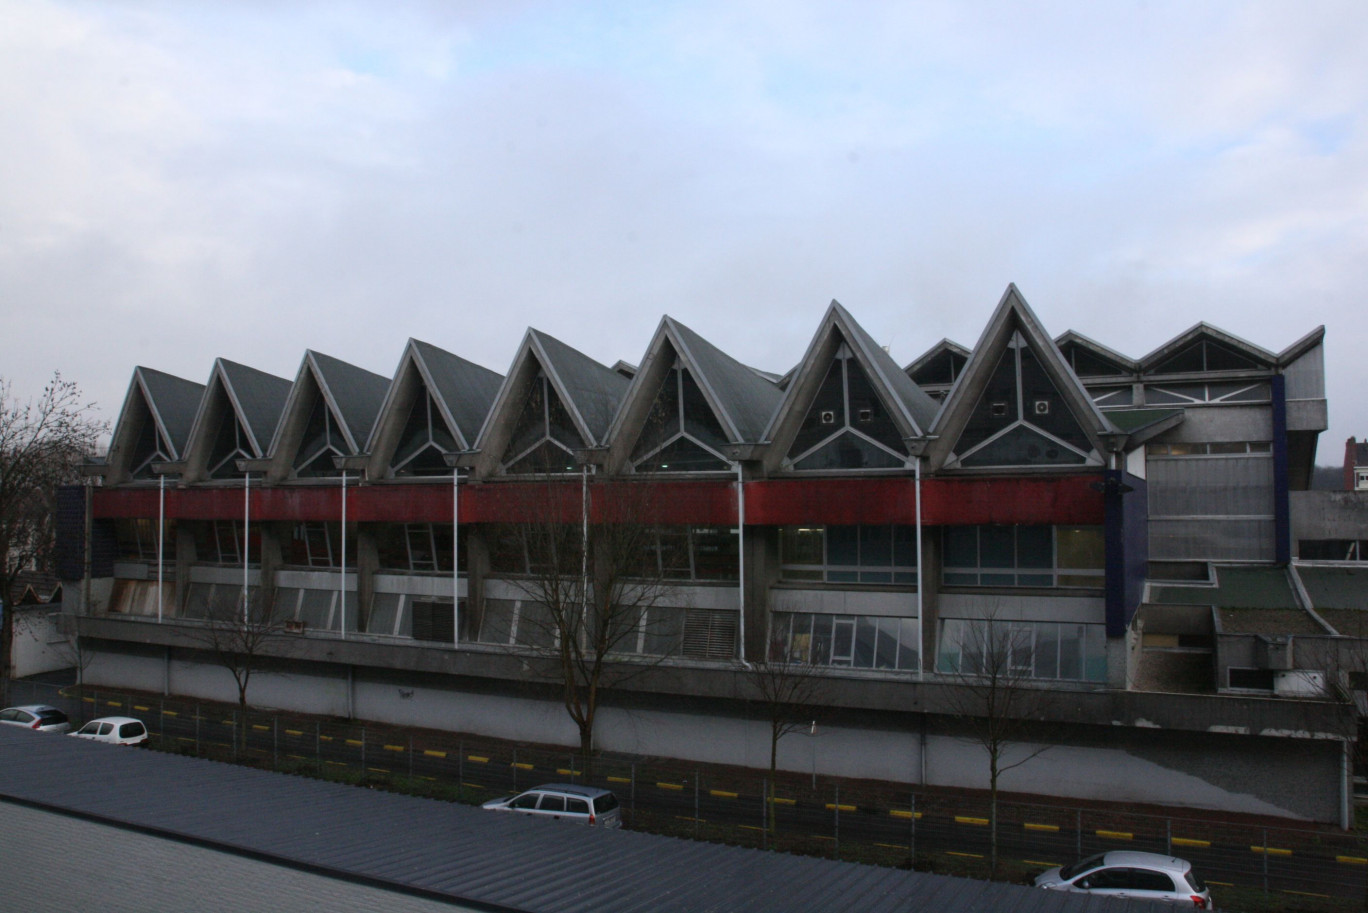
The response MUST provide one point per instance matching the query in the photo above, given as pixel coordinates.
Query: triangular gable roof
(1012, 315)
(589, 391)
(1302, 346)
(353, 396)
(1073, 339)
(170, 401)
(741, 398)
(256, 398)
(1206, 331)
(940, 348)
(911, 409)
(462, 391)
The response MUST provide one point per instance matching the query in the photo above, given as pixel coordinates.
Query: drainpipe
(161, 539)
(741, 557)
(246, 544)
(921, 583)
(456, 557)
(342, 581)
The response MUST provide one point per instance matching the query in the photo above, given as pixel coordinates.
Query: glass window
(384, 613)
(1023, 556)
(847, 425)
(876, 554)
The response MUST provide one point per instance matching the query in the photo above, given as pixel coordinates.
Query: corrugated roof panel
(747, 396)
(176, 400)
(467, 389)
(460, 851)
(260, 395)
(358, 393)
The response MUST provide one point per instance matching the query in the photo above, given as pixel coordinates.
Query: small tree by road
(995, 699)
(790, 692)
(592, 573)
(43, 443)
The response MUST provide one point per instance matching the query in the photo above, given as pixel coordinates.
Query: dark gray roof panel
(747, 395)
(261, 397)
(461, 851)
(358, 393)
(595, 390)
(176, 400)
(467, 389)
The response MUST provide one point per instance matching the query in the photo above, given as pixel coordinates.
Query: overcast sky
(180, 181)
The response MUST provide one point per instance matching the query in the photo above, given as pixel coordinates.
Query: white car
(115, 730)
(1125, 873)
(564, 802)
(36, 716)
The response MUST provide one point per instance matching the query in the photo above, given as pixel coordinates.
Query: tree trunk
(774, 766)
(993, 817)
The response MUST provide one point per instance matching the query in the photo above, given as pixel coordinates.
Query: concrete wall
(1329, 515)
(1294, 778)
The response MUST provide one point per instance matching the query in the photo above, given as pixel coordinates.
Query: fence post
(1078, 832)
(695, 803)
(764, 812)
(1265, 860)
(912, 837)
(837, 834)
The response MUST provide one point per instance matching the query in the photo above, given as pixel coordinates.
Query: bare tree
(240, 639)
(593, 573)
(43, 443)
(996, 699)
(791, 692)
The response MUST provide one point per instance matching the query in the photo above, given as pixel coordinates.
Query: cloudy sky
(181, 181)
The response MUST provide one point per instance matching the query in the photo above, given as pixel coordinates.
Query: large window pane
(866, 634)
(886, 648)
(821, 640)
(997, 547)
(961, 546)
(1035, 546)
(384, 612)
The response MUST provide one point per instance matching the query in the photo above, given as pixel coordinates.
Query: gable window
(941, 369)
(544, 437)
(322, 441)
(1021, 418)
(1206, 355)
(1046, 556)
(150, 447)
(424, 441)
(849, 554)
(230, 445)
(847, 425)
(681, 433)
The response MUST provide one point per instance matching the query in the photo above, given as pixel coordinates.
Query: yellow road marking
(832, 807)
(966, 855)
(891, 846)
(1115, 835)
(395, 748)
(1052, 828)
(1352, 860)
(1307, 894)
(260, 728)
(477, 759)
(355, 743)
(294, 732)
(1188, 841)
(434, 754)
(670, 785)
(964, 819)
(522, 766)
(170, 713)
(1048, 865)
(721, 794)
(565, 771)
(780, 800)
(619, 779)
(904, 813)
(1271, 850)
(141, 707)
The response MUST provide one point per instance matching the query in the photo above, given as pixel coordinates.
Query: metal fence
(868, 821)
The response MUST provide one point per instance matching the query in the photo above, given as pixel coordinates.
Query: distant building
(1124, 516)
(1355, 465)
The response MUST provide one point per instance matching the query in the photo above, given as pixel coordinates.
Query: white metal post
(921, 582)
(455, 556)
(342, 582)
(741, 557)
(161, 539)
(246, 524)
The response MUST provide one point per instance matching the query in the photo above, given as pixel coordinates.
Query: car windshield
(52, 716)
(1081, 866)
(1197, 884)
(605, 803)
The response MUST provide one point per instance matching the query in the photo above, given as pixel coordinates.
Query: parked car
(116, 730)
(1125, 873)
(36, 716)
(564, 802)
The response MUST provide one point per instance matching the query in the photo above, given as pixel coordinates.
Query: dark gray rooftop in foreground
(460, 852)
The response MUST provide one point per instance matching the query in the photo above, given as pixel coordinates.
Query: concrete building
(1121, 517)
